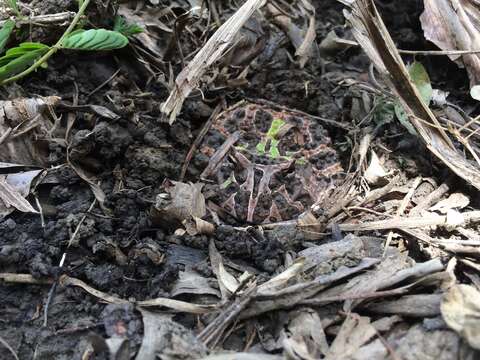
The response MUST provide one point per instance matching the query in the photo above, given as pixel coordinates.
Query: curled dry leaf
(417, 305)
(331, 45)
(454, 201)
(166, 339)
(375, 173)
(461, 311)
(281, 280)
(151, 24)
(215, 47)
(179, 202)
(176, 305)
(197, 226)
(355, 331)
(227, 279)
(453, 25)
(190, 282)
(216, 262)
(243, 356)
(11, 199)
(19, 120)
(304, 333)
(118, 348)
(371, 33)
(14, 188)
(303, 39)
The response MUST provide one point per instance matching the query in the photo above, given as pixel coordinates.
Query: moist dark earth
(121, 251)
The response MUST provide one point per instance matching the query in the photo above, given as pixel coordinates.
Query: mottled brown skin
(255, 187)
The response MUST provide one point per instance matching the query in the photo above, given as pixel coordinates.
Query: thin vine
(53, 49)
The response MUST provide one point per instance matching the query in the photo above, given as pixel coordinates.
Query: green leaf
(21, 50)
(95, 39)
(384, 112)
(261, 146)
(5, 32)
(26, 46)
(122, 26)
(271, 137)
(275, 128)
(403, 118)
(274, 152)
(228, 182)
(20, 58)
(421, 80)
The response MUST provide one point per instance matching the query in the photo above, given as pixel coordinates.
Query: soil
(120, 251)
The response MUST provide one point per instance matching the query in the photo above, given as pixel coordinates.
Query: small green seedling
(21, 60)
(228, 182)
(123, 27)
(272, 137)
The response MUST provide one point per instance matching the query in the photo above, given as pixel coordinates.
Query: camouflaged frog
(267, 163)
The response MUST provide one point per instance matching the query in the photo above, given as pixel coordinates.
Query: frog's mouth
(270, 166)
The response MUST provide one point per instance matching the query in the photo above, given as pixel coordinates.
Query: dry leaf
(304, 332)
(228, 280)
(166, 339)
(190, 282)
(243, 356)
(371, 33)
(216, 262)
(12, 196)
(331, 45)
(19, 120)
(302, 39)
(181, 201)
(22, 181)
(311, 226)
(281, 280)
(454, 220)
(461, 310)
(152, 26)
(417, 305)
(375, 173)
(355, 331)
(454, 201)
(90, 180)
(215, 47)
(197, 226)
(453, 25)
(177, 305)
(90, 108)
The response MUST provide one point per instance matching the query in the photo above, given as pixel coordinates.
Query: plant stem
(53, 49)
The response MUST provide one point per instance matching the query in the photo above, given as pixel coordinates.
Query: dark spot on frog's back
(263, 121)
